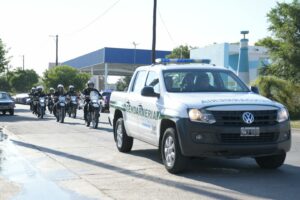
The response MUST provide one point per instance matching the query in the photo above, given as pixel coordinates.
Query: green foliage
(123, 83)
(282, 91)
(65, 75)
(183, 51)
(3, 60)
(4, 84)
(284, 46)
(22, 81)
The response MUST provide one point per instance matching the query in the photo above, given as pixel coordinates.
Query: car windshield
(106, 94)
(202, 80)
(3, 96)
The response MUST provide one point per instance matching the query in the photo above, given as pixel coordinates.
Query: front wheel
(171, 155)
(61, 115)
(271, 162)
(11, 112)
(123, 141)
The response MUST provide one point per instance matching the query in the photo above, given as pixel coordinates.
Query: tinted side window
(153, 81)
(139, 82)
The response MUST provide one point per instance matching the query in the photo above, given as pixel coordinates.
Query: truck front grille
(234, 138)
(4, 104)
(234, 118)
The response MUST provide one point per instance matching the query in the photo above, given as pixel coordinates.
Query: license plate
(250, 131)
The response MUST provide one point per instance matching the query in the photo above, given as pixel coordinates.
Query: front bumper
(216, 140)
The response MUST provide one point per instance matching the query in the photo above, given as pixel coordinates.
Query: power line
(165, 26)
(97, 18)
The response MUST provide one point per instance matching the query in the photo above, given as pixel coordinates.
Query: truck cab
(190, 108)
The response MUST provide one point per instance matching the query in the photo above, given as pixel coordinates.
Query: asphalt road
(43, 159)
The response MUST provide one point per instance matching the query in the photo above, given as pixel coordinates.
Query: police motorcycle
(72, 106)
(61, 109)
(93, 110)
(41, 107)
(50, 103)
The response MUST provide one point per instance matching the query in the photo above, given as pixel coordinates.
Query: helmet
(90, 84)
(51, 89)
(39, 88)
(60, 86)
(33, 89)
(71, 87)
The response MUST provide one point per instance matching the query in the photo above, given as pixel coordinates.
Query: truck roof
(160, 67)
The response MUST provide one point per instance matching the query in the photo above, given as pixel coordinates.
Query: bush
(282, 91)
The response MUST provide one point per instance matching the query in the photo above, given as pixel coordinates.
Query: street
(43, 159)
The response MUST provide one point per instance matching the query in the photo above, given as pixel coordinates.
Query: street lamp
(134, 55)
(56, 52)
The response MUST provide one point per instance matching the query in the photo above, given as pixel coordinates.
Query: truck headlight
(282, 115)
(201, 116)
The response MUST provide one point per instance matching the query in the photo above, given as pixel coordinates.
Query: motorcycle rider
(39, 93)
(86, 92)
(49, 96)
(31, 94)
(70, 93)
(58, 92)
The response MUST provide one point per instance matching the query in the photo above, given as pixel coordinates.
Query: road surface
(43, 159)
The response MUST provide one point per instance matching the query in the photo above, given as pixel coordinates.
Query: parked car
(6, 103)
(105, 100)
(22, 98)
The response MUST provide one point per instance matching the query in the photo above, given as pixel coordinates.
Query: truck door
(151, 111)
(133, 102)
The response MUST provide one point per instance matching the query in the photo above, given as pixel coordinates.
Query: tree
(284, 46)
(4, 84)
(183, 51)
(282, 91)
(123, 83)
(22, 80)
(65, 75)
(3, 60)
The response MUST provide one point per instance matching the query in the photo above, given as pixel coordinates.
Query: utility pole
(154, 32)
(23, 62)
(134, 55)
(56, 48)
(56, 58)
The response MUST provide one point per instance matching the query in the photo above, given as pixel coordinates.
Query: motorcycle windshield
(42, 99)
(73, 98)
(94, 96)
(61, 98)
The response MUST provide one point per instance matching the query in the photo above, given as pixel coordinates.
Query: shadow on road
(240, 176)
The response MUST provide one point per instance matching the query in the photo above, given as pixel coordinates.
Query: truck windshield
(202, 80)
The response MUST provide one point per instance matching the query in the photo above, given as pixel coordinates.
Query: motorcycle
(72, 107)
(41, 107)
(50, 104)
(93, 109)
(61, 109)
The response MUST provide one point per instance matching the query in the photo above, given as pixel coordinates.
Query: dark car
(6, 103)
(105, 100)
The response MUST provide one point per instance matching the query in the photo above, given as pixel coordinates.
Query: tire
(171, 155)
(123, 141)
(11, 112)
(95, 120)
(74, 113)
(271, 162)
(61, 115)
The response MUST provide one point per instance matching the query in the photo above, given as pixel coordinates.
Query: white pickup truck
(190, 109)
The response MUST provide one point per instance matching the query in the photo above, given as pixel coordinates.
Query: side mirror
(254, 89)
(149, 92)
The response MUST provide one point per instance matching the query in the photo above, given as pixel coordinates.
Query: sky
(83, 26)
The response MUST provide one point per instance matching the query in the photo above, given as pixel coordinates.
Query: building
(112, 62)
(243, 59)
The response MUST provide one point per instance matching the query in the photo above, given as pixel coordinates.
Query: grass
(295, 124)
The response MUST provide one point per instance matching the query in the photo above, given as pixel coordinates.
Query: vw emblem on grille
(248, 118)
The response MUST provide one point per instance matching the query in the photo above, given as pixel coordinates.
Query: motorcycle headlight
(201, 116)
(282, 115)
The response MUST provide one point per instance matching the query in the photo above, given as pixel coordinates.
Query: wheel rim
(119, 135)
(169, 151)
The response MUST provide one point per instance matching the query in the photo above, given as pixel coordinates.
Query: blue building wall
(115, 55)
